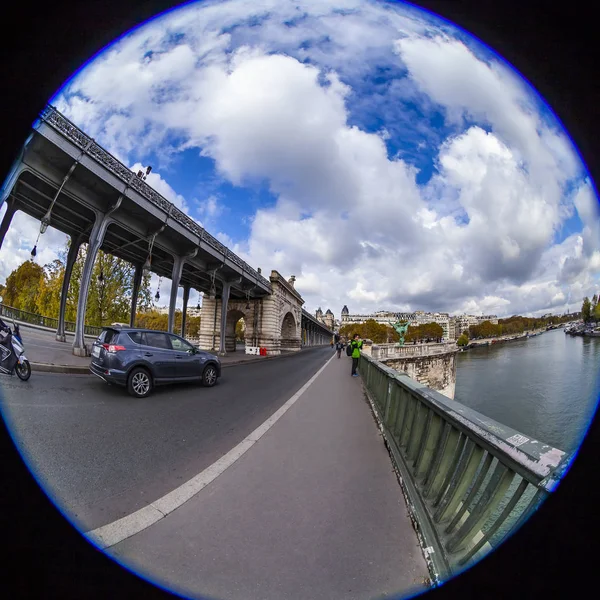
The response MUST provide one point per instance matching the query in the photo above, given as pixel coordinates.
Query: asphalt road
(101, 454)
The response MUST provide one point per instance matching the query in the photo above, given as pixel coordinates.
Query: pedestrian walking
(356, 345)
(339, 347)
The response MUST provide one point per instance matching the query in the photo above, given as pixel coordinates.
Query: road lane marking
(117, 531)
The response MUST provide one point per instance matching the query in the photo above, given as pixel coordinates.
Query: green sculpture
(401, 328)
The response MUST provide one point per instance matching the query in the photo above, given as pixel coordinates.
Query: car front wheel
(209, 376)
(139, 383)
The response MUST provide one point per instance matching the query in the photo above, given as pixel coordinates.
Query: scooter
(12, 353)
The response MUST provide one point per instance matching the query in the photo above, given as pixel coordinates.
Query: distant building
(452, 327)
(191, 311)
(327, 319)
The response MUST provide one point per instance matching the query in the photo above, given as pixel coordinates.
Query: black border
(552, 46)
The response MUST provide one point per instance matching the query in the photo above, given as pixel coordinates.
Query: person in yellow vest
(356, 345)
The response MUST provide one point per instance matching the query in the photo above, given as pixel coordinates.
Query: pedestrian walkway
(47, 354)
(312, 510)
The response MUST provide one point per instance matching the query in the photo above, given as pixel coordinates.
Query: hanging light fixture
(43, 226)
(148, 264)
(157, 297)
(198, 307)
(247, 300)
(213, 290)
(45, 222)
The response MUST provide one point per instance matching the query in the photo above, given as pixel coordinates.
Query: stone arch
(289, 332)
(233, 316)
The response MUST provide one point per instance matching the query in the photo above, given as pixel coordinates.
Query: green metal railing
(469, 481)
(52, 323)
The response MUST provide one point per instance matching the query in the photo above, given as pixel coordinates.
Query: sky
(385, 158)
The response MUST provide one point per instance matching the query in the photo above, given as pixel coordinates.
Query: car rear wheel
(209, 376)
(139, 383)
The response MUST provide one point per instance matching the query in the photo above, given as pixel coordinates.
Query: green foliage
(586, 309)
(485, 330)
(48, 297)
(594, 308)
(37, 289)
(152, 319)
(240, 329)
(463, 340)
(23, 285)
(372, 330)
(426, 331)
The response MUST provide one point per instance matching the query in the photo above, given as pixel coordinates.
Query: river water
(546, 387)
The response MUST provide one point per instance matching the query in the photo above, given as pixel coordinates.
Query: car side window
(179, 344)
(137, 337)
(158, 340)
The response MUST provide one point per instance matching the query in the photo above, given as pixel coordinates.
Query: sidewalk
(312, 510)
(46, 354)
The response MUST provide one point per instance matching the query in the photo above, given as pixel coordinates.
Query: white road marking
(117, 531)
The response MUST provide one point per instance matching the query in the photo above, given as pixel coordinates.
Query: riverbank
(502, 339)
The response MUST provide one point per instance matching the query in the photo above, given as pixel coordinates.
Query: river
(546, 387)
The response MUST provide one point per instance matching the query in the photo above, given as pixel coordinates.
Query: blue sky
(385, 158)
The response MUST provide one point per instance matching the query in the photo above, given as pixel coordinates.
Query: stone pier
(433, 365)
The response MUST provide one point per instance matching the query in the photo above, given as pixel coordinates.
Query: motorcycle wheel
(23, 371)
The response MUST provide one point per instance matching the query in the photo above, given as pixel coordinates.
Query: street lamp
(147, 266)
(45, 221)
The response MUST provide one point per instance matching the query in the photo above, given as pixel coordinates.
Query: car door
(158, 352)
(188, 361)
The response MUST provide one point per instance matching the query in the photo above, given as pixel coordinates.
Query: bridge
(64, 178)
(309, 461)
(281, 477)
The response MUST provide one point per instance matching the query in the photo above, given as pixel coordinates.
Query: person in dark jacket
(356, 345)
(339, 347)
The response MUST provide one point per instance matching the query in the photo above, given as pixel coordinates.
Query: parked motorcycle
(12, 353)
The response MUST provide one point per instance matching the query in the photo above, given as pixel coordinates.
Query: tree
(596, 313)
(463, 340)
(240, 329)
(48, 297)
(586, 309)
(37, 289)
(22, 286)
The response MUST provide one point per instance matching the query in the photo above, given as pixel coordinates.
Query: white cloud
(20, 240)
(351, 223)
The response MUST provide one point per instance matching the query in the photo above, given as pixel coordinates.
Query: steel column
(137, 281)
(71, 258)
(96, 237)
(11, 209)
(186, 297)
(175, 279)
(224, 303)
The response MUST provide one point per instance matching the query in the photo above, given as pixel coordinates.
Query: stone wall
(278, 320)
(435, 371)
